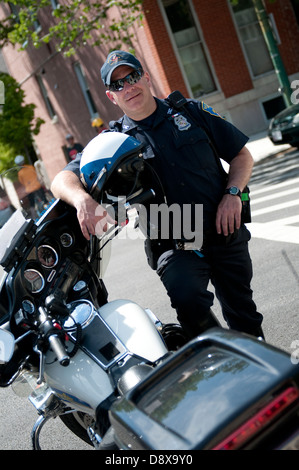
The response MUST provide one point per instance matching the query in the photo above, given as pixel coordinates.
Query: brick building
(207, 49)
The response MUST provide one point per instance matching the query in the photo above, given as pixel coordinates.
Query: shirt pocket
(194, 148)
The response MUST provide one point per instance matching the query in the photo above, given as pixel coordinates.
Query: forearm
(228, 217)
(240, 169)
(67, 186)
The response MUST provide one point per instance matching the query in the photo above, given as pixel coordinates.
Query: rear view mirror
(7, 344)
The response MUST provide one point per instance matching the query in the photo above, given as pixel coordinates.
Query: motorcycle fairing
(7, 343)
(211, 386)
(112, 342)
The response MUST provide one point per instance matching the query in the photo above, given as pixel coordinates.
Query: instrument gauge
(28, 306)
(66, 240)
(34, 280)
(47, 256)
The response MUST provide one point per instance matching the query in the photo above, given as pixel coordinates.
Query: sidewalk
(261, 146)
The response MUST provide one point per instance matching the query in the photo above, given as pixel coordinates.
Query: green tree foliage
(7, 156)
(73, 23)
(17, 123)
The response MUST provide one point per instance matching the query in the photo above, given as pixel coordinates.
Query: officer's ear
(110, 96)
(148, 79)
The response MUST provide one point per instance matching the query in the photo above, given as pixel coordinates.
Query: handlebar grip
(143, 197)
(59, 350)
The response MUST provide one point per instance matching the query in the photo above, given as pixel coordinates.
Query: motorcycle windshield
(23, 197)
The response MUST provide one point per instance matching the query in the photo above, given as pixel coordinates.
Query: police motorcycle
(115, 375)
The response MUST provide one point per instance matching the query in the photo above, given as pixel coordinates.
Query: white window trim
(47, 101)
(84, 86)
(252, 76)
(175, 49)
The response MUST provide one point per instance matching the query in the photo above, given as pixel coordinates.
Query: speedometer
(66, 240)
(47, 256)
(34, 280)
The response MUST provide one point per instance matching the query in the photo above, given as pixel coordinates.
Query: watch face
(233, 190)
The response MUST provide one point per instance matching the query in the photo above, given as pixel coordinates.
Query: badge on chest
(181, 122)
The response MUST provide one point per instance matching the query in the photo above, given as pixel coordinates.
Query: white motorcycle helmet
(112, 163)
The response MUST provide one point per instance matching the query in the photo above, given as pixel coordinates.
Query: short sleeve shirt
(177, 148)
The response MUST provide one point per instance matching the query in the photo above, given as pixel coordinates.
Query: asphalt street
(274, 250)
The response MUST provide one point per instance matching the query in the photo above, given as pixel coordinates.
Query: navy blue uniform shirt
(179, 152)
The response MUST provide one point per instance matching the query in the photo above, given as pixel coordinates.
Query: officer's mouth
(132, 98)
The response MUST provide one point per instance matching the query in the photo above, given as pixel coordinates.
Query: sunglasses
(131, 79)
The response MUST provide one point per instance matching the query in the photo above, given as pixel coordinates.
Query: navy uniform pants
(228, 266)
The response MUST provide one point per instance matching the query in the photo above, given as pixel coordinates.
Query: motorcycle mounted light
(111, 163)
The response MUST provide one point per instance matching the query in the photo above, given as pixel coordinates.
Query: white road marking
(278, 195)
(275, 207)
(275, 232)
(283, 229)
(272, 186)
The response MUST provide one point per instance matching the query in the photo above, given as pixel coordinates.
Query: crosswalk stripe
(293, 219)
(275, 207)
(278, 233)
(270, 197)
(272, 187)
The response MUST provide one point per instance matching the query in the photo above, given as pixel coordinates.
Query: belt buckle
(187, 246)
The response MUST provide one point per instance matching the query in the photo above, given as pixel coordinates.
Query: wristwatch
(233, 191)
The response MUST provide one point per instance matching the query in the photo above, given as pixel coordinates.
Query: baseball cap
(114, 60)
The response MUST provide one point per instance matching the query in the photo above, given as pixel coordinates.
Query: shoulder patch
(208, 109)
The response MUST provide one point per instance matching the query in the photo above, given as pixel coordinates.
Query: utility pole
(280, 71)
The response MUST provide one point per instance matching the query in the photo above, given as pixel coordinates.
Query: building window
(189, 46)
(295, 5)
(47, 100)
(85, 90)
(15, 9)
(252, 38)
(273, 106)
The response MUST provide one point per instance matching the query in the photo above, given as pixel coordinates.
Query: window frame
(203, 46)
(84, 86)
(245, 55)
(49, 105)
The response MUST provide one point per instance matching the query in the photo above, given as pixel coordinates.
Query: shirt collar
(163, 111)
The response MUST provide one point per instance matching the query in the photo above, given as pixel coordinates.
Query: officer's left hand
(228, 217)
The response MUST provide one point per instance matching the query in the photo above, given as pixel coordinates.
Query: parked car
(284, 127)
(6, 210)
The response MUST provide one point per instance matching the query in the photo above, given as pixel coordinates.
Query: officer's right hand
(228, 217)
(92, 217)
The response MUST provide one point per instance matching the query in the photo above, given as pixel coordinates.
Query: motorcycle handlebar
(59, 350)
(53, 335)
(143, 197)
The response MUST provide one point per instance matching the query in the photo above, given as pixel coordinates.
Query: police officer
(181, 148)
